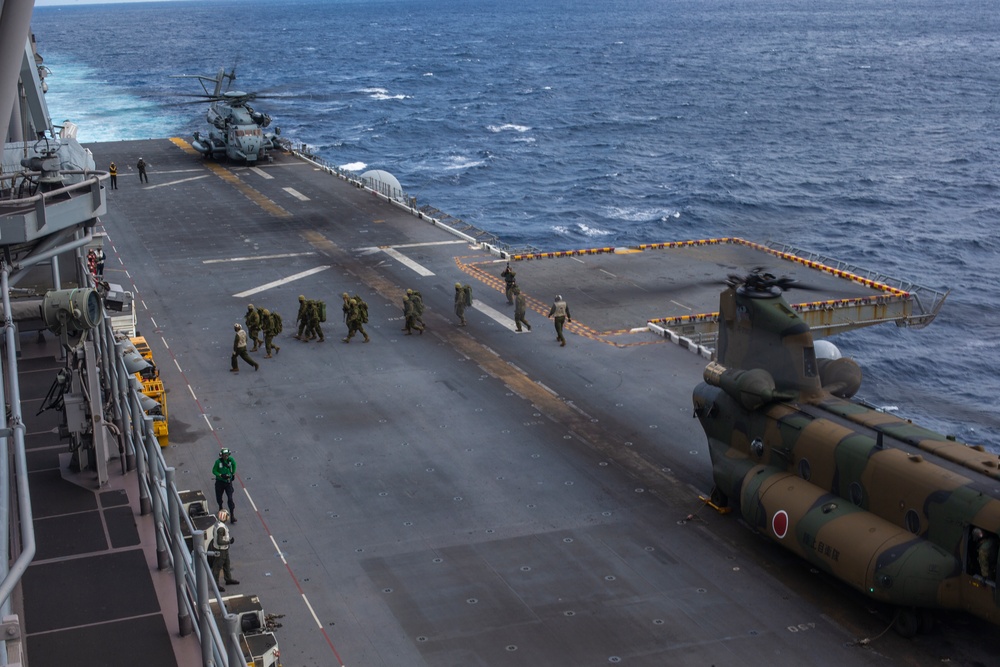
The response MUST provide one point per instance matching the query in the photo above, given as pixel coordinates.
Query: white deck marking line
(609, 273)
(250, 500)
(295, 193)
(179, 369)
(410, 245)
(183, 180)
(406, 261)
(277, 550)
(315, 618)
(207, 422)
(165, 343)
(260, 172)
(283, 281)
(250, 259)
(496, 315)
(191, 389)
(428, 243)
(677, 303)
(150, 319)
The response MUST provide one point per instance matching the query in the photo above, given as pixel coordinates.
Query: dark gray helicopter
(241, 134)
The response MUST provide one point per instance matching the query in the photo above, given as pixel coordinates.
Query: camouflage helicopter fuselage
(905, 515)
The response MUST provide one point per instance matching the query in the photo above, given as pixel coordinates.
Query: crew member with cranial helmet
(240, 349)
(220, 545)
(224, 471)
(561, 311)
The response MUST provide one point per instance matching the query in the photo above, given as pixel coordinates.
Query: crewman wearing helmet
(561, 311)
(240, 349)
(252, 320)
(220, 545)
(270, 324)
(224, 472)
(355, 320)
(301, 320)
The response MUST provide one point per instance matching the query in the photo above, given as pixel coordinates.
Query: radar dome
(826, 350)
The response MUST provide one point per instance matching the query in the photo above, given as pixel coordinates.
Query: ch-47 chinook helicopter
(907, 516)
(240, 128)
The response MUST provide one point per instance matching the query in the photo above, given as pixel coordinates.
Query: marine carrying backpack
(467, 290)
(362, 309)
(276, 323)
(321, 309)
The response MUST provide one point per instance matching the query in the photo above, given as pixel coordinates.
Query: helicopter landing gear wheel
(908, 622)
(718, 498)
(926, 621)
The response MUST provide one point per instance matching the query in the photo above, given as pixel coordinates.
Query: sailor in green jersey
(225, 472)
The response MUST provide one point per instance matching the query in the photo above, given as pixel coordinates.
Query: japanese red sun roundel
(779, 523)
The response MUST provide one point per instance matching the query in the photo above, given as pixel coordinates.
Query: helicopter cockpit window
(809, 361)
(981, 558)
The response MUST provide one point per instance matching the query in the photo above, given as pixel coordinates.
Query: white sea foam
(507, 127)
(581, 228)
(460, 162)
(353, 166)
(640, 214)
(592, 232)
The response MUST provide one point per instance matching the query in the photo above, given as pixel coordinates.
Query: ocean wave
(581, 230)
(636, 140)
(508, 127)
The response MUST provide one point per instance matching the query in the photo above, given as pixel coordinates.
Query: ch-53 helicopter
(241, 133)
(905, 515)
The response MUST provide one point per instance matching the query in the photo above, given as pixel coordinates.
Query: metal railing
(119, 411)
(160, 497)
(927, 301)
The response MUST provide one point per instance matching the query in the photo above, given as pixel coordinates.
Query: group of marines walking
(312, 313)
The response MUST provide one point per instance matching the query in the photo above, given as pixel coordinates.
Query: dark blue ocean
(866, 130)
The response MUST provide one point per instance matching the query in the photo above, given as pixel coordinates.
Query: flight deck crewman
(113, 171)
(220, 545)
(520, 308)
(224, 471)
(240, 349)
(509, 283)
(561, 310)
(141, 166)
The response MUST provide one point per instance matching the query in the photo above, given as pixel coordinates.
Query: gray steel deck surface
(469, 496)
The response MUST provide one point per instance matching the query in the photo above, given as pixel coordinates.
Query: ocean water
(861, 129)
